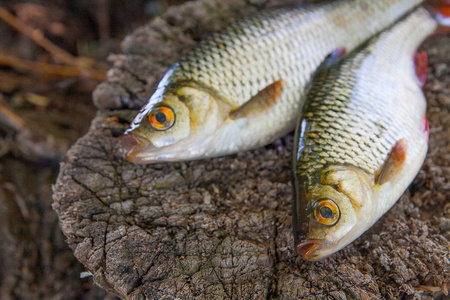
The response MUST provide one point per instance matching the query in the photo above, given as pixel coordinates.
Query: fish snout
(307, 249)
(129, 142)
(134, 145)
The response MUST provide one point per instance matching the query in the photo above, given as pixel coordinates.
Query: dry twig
(15, 62)
(9, 118)
(78, 67)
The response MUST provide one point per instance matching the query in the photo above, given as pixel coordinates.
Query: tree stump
(222, 228)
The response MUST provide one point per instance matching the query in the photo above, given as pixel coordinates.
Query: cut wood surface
(222, 228)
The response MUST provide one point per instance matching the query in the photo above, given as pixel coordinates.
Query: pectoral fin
(393, 163)
(260, 103)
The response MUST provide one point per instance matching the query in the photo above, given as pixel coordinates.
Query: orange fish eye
(161, 118)
(326, 212)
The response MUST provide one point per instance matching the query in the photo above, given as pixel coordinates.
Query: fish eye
(161, 117)
(326, 212)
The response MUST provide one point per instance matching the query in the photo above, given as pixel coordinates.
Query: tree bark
(222, 228)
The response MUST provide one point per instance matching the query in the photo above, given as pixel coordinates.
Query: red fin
(440, 9)
(334, 56)
(261, 102)
(421, 65)
(393, 163)
(443, 18)
(444, 11)
(426, 128)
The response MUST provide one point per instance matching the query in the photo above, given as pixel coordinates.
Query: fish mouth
(142, 151)
(134, 145)
(308, 249)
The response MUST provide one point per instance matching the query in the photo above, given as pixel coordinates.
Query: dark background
(41, 115)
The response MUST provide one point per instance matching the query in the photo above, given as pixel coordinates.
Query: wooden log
(222, 228)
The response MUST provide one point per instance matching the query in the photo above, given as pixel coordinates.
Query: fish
(242, 88)
(362, 138)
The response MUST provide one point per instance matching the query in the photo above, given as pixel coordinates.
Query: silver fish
(243, 88)
(362, 140)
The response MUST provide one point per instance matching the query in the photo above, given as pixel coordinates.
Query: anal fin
(261, 102)
(421, 66)
(393, 163)
(426, 128)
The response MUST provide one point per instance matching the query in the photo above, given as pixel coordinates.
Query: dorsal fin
(333, 57)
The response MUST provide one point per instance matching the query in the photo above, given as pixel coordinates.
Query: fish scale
(267, 47)
(361, 140)
(281, 47)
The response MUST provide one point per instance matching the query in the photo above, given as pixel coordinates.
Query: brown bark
(221, 228)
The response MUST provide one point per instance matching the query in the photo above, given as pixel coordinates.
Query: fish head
(333, 212)
(176, 127)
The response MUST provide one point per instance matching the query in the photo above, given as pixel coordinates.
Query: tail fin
(440, 9)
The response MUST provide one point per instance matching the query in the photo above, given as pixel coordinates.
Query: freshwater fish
(362, 139)
(243, 88)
